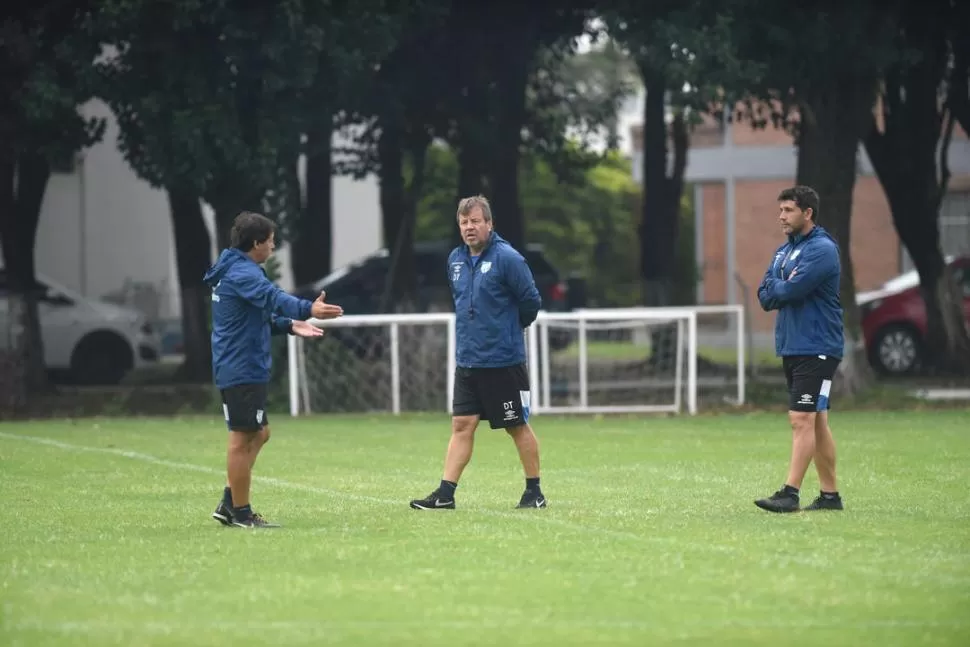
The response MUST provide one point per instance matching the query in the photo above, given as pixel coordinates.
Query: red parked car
(894, 319)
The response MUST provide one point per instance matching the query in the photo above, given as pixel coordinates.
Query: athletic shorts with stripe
(499, 395)
(809, 379)
(244, 406)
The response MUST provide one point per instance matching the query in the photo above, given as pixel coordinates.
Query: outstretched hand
(323, 310)
(306, 329)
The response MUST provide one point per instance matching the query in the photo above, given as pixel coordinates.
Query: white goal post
(588, 361)
(375, 363)
(626, 373)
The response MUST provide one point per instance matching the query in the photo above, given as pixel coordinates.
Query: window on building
(954, 227)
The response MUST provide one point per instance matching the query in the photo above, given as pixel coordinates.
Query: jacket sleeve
(262, 293)
(520, 280)
(817, 263)
(767, 303)
(280, 325)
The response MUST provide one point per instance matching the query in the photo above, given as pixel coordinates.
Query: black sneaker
(780, 501)
(825, 503)
(433, 501)
(255, 521)
(532, 499)
(223, 514)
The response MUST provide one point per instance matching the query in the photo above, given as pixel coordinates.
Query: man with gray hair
(495, 298)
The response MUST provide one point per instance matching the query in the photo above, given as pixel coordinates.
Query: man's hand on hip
(323, 310)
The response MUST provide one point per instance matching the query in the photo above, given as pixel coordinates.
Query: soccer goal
(389, 363)
(624, 360)
(637, 360)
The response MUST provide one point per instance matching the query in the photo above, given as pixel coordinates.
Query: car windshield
(908, 279)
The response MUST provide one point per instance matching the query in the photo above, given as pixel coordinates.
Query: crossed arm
(814, 266)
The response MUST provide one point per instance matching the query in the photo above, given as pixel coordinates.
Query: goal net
(374, 363)
(623, 360)
(629, 360)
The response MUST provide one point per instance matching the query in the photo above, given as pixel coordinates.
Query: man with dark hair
(802, 284)
(495, 298)
(247, 308)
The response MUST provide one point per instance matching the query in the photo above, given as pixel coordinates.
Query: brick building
(737, 172)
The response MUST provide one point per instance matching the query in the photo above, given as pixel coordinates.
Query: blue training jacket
(495, 298)
(247, 308)
(802, 284)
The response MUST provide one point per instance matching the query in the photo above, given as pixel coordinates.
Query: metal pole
(395, 369)
(82, 225)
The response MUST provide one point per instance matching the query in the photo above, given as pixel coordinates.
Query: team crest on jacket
(486, 266)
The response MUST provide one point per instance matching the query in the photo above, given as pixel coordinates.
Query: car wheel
(101, 358)
(897, 350)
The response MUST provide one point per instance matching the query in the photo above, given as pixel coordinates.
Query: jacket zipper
(788, 256)
(471, 294)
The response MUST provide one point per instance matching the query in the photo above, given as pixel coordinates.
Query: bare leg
(803, 446)
(256, 444)
(460, 446)
(528, 446)
(239, 462)
(825, 453)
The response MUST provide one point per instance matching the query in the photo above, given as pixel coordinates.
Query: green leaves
(47, 76)
(694, 45)
(209, 102)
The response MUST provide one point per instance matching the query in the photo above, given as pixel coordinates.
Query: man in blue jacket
(247, 308)
(802, 284)
(495, 298)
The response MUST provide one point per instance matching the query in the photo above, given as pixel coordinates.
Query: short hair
(466, 205)
(249, 228)
(804, 197)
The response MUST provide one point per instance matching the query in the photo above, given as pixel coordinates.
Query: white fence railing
(623, 360)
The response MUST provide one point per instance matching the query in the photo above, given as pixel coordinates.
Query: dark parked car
(359, 287)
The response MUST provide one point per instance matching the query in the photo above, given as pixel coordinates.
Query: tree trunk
(833, 118)
(226, 209)
(904, 157)
(230, 194)
(661, 206)
(399, 207)
(473, 131)
(470, 174)
(18, 236)
(313, 243)
(192, 258)
(407, 267)
(513, 63)
(390, 154)
(958, 99)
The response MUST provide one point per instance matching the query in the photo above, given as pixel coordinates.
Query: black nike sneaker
(434, 501)
(825, 503)
(223, 514)
(532, 499)
(256, 520)
(780, 501)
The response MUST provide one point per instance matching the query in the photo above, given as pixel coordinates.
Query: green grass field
(623, 350)
(651, 537)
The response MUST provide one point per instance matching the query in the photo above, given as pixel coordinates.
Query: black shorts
(244, 406)
(499, 395)
(809, 380)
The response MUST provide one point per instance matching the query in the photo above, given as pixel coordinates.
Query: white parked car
(86, 340)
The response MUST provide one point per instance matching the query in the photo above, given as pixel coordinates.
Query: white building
(104, 230)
